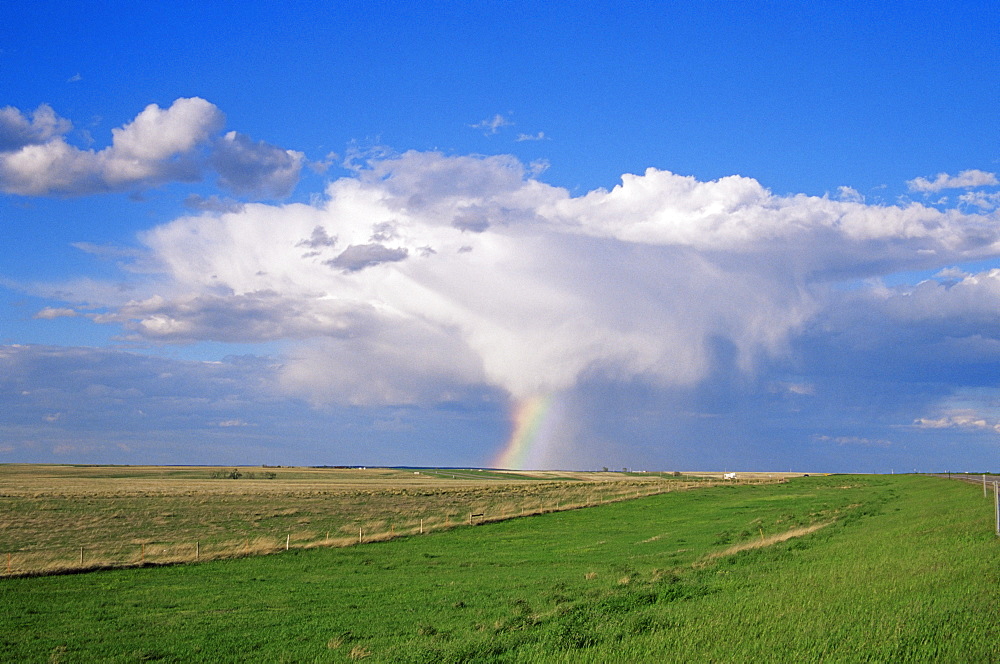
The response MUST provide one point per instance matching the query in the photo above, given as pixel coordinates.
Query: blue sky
(710, 235)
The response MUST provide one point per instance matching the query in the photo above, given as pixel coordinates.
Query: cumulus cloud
(160, 145)
(425, 276)
(850, 195)
(17, 130)
(968, 179)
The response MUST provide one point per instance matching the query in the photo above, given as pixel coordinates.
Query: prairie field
(56, 518)
(839, 568)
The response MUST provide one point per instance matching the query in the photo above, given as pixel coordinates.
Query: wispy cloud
(492, 125)
(540, 136)
(232, 423)
(854, 440)
(50, 313)
(983, 200)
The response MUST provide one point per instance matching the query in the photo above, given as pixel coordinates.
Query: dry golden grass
(359, 652)
(55, 518)
(765, 541)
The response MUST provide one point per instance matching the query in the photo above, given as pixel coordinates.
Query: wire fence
(991, 484)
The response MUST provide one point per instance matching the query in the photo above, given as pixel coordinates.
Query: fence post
(81, 555)
(197, 550)
(288, 539)
(996, 504)
(984, 485)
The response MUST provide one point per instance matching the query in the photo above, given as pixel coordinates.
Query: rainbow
(532, 438)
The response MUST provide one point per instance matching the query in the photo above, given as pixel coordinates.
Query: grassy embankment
(69, 517)
(891, 569)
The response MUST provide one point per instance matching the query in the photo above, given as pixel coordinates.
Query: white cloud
(983, 200)
(492, 125)
(424, 276)
(850, 195)
(854, 440)
(961, 419)
(156, 135)
(18, 131)
(160, 145)
(964, 180)
(960, 302)
(50, 313)
(232, 423)
(540, 136)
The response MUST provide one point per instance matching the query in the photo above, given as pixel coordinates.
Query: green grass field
(895, 569)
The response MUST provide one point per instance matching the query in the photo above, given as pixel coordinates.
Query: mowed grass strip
(905, 571)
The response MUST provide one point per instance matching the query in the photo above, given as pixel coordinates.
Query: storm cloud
(449, 272)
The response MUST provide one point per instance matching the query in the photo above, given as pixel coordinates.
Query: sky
(679, 236)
